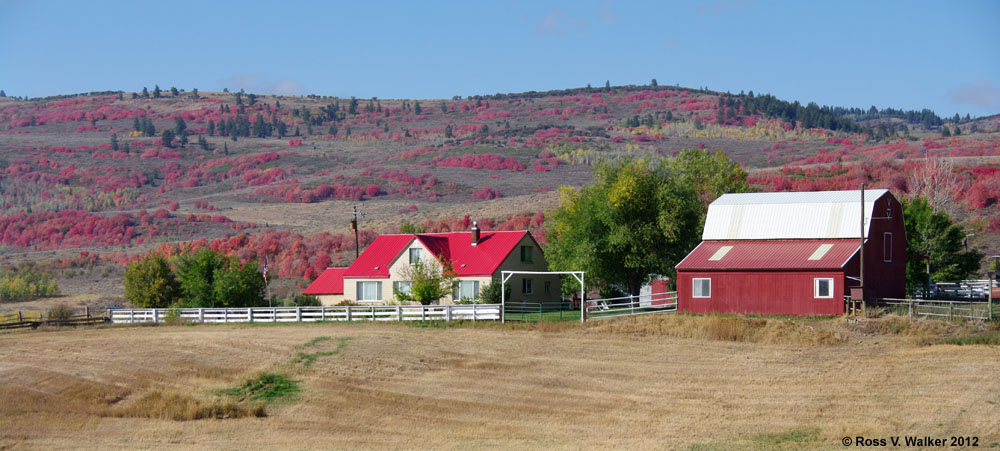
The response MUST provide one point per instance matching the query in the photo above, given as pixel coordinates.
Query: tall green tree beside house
(710, 174)
(637, 220)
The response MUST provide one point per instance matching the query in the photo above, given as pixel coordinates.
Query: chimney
(475, 233)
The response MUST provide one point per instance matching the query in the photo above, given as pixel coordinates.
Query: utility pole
(266, 285)
(354, 227)
(861, 270)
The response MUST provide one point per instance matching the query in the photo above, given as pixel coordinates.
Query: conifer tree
(156, 91)
(168, 138)
(145, 92)
(180, 126)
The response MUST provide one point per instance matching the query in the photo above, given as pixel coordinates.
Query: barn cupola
(475, 233)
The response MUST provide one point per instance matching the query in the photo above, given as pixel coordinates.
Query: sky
(903, 54)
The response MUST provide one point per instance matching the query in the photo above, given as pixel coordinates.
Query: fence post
(298, 314)
(86, 310)
(423, 313)
(131, 316)
(201, 315)
(348, 313)
(250, 314)
(225, 316)
(399, 313)
(951, 311)
(910, 302)
(20, 317)
(373, 313)
(448, 313)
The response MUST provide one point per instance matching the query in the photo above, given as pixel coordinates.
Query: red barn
(794, 253)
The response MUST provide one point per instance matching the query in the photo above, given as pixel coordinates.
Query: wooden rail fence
(941, 309)
(22, 320)
(470, 312)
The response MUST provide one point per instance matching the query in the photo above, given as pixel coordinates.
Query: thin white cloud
(983, 94)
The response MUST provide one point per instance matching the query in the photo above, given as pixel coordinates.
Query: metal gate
(665, 302)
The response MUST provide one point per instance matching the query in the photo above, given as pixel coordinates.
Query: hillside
(88, 182)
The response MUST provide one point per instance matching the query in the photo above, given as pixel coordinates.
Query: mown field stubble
(719, 383)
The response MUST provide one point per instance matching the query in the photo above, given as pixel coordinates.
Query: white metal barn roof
(793, 215)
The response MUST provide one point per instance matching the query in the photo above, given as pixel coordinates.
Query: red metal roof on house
(770, 254)
(375, 260)
(468, 260)
(456, 247)
(331, 281)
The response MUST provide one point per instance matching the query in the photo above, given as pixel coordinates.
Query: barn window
(823, 288)
(887, 247)
(414, 256)
(369, 291)
(702, 288)
(526, 287)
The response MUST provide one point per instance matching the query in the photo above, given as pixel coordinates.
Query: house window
(548, 287)
(823, 288)
(526, 252)
(526, 286)
(466, 290)
(887, 247)
(402, 287)
(414, 256)
(701, 288)
(369, 291)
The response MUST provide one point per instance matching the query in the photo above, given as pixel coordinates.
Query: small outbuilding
(795, 253)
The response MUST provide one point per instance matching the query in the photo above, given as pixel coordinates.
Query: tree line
(202, 279)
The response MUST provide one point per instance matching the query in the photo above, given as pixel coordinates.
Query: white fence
(665, 302)
(471, 312)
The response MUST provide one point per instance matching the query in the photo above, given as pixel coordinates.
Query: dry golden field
(647, 383)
